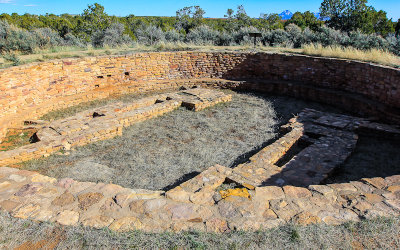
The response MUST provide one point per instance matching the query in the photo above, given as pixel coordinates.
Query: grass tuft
(379, 233)
(373, 55)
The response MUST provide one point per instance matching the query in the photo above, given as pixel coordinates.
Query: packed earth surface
(161, 152)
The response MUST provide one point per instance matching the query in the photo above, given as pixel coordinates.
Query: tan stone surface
(63, 200)
(88, 199)
(296, 192)
(68, 218)
(269, 193)
(126, 224)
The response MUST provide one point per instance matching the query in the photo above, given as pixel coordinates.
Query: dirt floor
(161, 152)
(155, 153)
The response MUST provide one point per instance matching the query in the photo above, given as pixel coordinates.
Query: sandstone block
(88, 199)
(269, 193)
(68, 218)
(296, 192)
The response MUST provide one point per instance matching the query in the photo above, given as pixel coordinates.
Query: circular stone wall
(29, 91)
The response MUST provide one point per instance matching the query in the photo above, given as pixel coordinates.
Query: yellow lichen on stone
(241, 192)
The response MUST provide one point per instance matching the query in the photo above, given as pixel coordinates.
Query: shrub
(307, 36)
(173, 36)
(225, 39)
(242, 36)
(149, 35)
(46, 37)
(15, 39)
(367, 42)
(71, 40)
(203, 35)
(113, 36)
(327, 36)
(278, 37)
(294, 34)
(394, 44)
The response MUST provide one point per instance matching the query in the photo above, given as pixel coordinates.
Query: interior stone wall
(29, 91)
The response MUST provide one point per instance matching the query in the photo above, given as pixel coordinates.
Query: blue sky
(213, 8)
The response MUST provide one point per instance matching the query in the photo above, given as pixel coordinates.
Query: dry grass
(373, 55)
(380, 233)
(377, 56)
(158, 152)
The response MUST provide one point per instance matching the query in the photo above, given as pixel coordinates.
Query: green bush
(203, 35)
(149, 34)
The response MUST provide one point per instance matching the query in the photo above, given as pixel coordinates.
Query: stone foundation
(263, 194)
(267, 191)
(29, 91)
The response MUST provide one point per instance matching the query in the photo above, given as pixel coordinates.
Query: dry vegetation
(373, 55)
(158, 152)
(380, 233)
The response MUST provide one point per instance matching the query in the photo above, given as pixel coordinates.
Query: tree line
(342, 22)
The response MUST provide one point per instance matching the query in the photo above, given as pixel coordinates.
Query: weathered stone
(269, 214)
(343, 188)
(182, 212)
(178, 194)
(393, 203)
(88, 199)
(363, 206)
(65, 183)
(393, 180)
(28, 190)
(154, 205)
(44, 215)
(9, 205)
(126, 224)
(322, 189)
(394, 189)
(202, 198)
(377, 182)
(269, 193)
(68, 218)
(43, 179)
(306, 218)
(296, 192)
(99, 221)
(228, 210)
(240, 192)
(278, 204)
(63, 200)
(137, 206)
(217, 226)
(26, 211)
(17, 178)
(4, 185)
(373, 198)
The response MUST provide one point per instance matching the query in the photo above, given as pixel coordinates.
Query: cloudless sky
(213, 8)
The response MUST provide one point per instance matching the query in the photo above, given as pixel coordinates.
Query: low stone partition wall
(254, 195)
(258, 194)
(29, 91)
(105, 122)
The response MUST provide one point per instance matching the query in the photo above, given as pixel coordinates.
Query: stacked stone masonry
(106, 122)
(203, 204)
(264, 192)
(29, 91)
